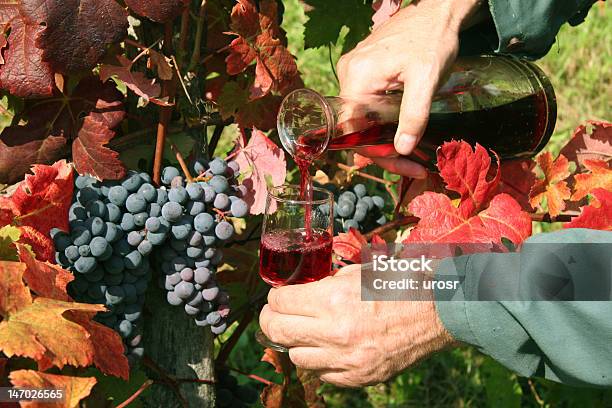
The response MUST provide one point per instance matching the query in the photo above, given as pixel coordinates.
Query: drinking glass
(296, 240)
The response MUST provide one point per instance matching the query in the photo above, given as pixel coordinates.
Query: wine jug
(505, 104)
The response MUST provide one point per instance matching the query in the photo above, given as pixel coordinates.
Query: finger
(387, 150)
(338, 378)
(314, 358)
(302, 300)
(292, 330)
(420, 84)
(402, 166)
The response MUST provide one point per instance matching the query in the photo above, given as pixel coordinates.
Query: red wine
(517, 129)
(286, 258)
(306, 194)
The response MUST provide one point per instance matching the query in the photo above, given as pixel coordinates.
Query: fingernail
(405, 143)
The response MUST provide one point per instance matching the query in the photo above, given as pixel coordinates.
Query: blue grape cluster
(354, 208)
(116, 227)
(198, 213)
(108, 251)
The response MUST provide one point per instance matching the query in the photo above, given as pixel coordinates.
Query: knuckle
(274, 299)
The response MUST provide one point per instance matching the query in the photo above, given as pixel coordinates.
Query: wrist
(458, 15)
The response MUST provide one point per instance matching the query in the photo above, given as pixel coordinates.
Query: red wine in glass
(288, 258)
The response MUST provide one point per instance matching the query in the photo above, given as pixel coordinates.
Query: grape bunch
(199, 214)
(231, 394)
(108, 249)
(354, 208)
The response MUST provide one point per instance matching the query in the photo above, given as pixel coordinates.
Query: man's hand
(411, 51)
(347, 341)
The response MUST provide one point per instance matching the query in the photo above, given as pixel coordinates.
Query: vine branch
(165, 114)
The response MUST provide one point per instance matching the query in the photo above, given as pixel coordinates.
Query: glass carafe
(505, 104)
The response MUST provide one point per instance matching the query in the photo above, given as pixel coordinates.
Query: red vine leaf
(50, 281)
(39, 330)
(49, 124)
(442, 222)
(162, 64)
(135, 81)
(160, 11)
(78, 32)
(592, 141)
(384, 10)
(258, 40)
(89, 152)
(553, 186)
(517, 178)
(15, 295)
(465, 171)
(42, 200)
(260, 159)
(75, 388)
(43, 278)
(38, 204)
(360, 161)
(597, 215)
(348, 246)
(107, 345)
(41, 244)
(600, 176)
(24, 73)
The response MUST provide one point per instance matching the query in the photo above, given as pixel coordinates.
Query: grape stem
(139, 391)
(252, 376)
(165, 114)
(228, 346)
(195, 57)
(181, 160)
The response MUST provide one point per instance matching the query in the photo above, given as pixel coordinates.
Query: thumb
(419, 90)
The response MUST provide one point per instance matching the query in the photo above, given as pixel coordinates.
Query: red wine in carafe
(488, 126)
(287, 258)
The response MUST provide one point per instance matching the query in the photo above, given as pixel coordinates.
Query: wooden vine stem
(179, 355)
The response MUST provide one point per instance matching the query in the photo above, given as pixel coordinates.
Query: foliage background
(580, 68)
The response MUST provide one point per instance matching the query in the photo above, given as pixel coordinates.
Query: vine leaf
(323, 27)
(49, 280)
(259, 113)
(258, 40)
(39, 203)
(89, 152)
(75, 388)
(597, 215)
(135, 81)
(8, 236)
(477, 216)
(160, 11)
(259, 160)
(36, 328)
(553, 186)
(87, 26)
(165, 71)
(15, 296)
(43, 278)
(51, 124)
(384, 10)
(360, 161)
(465, 171)
(24, 73)
(442, 222)
(592, 141)
(600, 176)
(517, 178)
(348, 246)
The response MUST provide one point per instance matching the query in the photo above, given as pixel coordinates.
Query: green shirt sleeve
(525, 28)
(564, 341)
